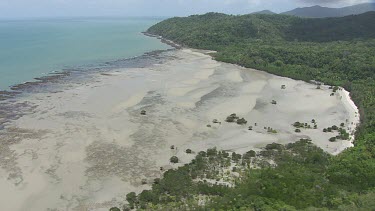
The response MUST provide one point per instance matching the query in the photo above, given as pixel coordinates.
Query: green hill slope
(215, 29)
(337, 51)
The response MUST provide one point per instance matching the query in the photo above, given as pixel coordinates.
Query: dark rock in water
(6, 94)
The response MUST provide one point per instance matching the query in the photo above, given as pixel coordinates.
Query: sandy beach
(86, 146)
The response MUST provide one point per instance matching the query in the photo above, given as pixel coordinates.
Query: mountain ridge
(325, 12)
(266, 12)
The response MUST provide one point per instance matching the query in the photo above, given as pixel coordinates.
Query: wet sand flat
(87, 146)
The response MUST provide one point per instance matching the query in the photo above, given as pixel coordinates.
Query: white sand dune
(87, 146)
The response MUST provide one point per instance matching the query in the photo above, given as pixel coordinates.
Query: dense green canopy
(336, 51)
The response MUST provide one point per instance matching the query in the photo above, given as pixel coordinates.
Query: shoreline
(355, 120)
(163, 40)
(87, 142)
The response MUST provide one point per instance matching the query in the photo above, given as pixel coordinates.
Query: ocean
(34, 48)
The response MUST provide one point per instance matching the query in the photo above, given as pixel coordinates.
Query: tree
(188, 151)
(232, 118)
(241, 121)
(174, 159)
(333, 139)
(114, 209)
(297, 130)
(251, 153)
(132, 199)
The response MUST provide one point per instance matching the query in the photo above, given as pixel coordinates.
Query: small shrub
(132, 199)
(297, 130)
(298, 124)
(251, 153)
(241, 121)
(157, 181)
(211, 152)
(333, 139)
(335, 89)
(202, 153)
(174, 159)
(188, 151)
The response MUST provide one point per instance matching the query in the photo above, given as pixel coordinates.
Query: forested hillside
(336, 51)
(215, 30)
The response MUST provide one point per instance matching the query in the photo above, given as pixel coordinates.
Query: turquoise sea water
(33, 48)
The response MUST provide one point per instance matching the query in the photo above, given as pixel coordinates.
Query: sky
(166, 8)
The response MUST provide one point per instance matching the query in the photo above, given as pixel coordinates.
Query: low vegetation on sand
(305, 125)
(235, 118)
(280, 177)
(342, 133)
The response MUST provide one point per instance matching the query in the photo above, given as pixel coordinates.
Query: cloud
(43, 8)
